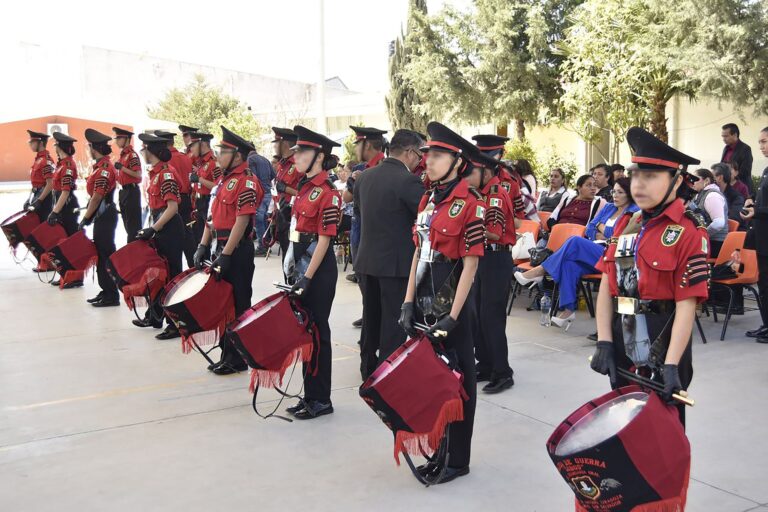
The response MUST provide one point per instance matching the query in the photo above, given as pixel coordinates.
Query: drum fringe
(415, 443)
(273, 378)
(153, 279)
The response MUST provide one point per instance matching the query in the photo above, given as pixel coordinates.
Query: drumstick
(424, 327)
(286, 288)
(681, 396)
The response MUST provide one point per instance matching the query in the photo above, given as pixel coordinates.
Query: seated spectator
(733, 199)
(579, 209)
(550, 198)
(738, 185)
(523, 167)
(603, 181)
(578, 256)
(617, 170)
(710, 203)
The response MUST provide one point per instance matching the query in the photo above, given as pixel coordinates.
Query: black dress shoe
(762, 339)
(228, 368)
(73, 284)
(451, 473)
(426, 469)
(499, 385)
(146, 322)
(358, 323)
(169, 333)
(592, 337)
(313, 409)
(106, 303)
(352, 278)
(756, 333)
(300, 405)
(97, 298)
(55, 282)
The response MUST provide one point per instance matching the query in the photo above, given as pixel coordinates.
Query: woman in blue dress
(578, 256)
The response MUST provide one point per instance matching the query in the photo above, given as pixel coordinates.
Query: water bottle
(546, 305)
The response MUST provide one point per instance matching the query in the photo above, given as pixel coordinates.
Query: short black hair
(705, 174)
(403, 140)
(626, 185)
(617, 167)
(582, 180)
(598, 166)
(732, 127)
(723, 170)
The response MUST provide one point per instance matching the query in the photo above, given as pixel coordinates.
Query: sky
(278, 39)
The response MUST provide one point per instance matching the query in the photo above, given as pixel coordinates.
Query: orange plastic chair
(544, 217)
(733, 225)
(528, 226)
(747, 278)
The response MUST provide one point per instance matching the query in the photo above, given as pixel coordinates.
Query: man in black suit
(739, 153)
(387, 197)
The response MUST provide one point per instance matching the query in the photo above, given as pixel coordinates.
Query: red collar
(207, 157)
(174, 150)
(375, 160)
(127, 149)
(287, 160)
(101, 161)
(42, 153)
(319, 178)
(67, 161)
(493, 181)
(674, 211)
(240, 169)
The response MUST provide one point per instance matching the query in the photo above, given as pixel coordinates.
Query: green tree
(625, 59)
(206, 107)
(494, 63)
(402, 98)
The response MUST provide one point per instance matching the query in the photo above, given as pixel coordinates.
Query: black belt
(223, 234)
(306, 238)
(157, 211)
(654, 307)
(441, 258)
(129, 186)
(498, 247)
(35, 190)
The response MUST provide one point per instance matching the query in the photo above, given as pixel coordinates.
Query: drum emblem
(586, 487)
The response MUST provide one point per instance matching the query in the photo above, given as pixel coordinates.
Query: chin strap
(450, 168)
(663, 204)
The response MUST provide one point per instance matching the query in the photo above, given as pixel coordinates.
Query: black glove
(53, 218)
(301, 286)
(280, 186)
(671, 381)
(603, 361)
(406, 319)
(146, 233)
(84, 222)
(118, 165)
(33, 205)
(202, 253)
(194, 178)
(221, 265)
(446, 324)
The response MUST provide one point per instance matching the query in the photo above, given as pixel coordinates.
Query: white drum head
(13, 218)
(258, 313)
(383, 371)
(187, 287)
(601, 423)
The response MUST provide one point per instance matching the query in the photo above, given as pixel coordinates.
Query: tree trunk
(659, 117)
(519, 129)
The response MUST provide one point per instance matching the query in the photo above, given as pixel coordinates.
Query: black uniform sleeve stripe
(48, 169)
(134, 163)
(216, 173)
(169, 187)
(66, 180)
(246, 197)
(101, 182)
(474, 233)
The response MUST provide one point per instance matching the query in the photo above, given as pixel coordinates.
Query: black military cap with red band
(651, 154)
(284, 134)
(306, 138)
(185, 130)
(365, 133)
(442, 138)
(119, 132)
(490, 143)
(37, 136)
(231, 140)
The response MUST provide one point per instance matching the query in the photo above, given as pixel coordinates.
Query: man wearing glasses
(387, 196)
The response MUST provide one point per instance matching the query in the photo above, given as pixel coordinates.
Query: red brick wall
(16, 157)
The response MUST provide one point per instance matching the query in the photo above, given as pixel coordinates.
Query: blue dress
(578, 256)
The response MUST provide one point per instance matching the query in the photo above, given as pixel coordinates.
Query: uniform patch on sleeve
(167, 176)
(671, 235)
(68, 172)
(105, 174)
(335, 201)
(704, 245)
(248, 184)
(480, 212)
(495, 202)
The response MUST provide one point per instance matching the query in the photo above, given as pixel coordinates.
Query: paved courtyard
(97, 415)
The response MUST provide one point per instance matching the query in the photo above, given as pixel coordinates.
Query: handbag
(538, 255)
(524, 243)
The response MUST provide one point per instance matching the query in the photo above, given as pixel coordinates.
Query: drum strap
(439, 459)
(283, 396)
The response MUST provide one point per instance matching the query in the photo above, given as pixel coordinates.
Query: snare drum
(76, 253)
(200, 306)
(271, 336)
(416, 394)
(18, 226)
(44, 238)
(139, 272)
(624, 451)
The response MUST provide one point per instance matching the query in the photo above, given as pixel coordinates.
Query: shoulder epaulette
(494, 189)
(475, 193)
(696, 218)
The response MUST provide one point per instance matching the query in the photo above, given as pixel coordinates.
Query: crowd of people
(432, 221)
